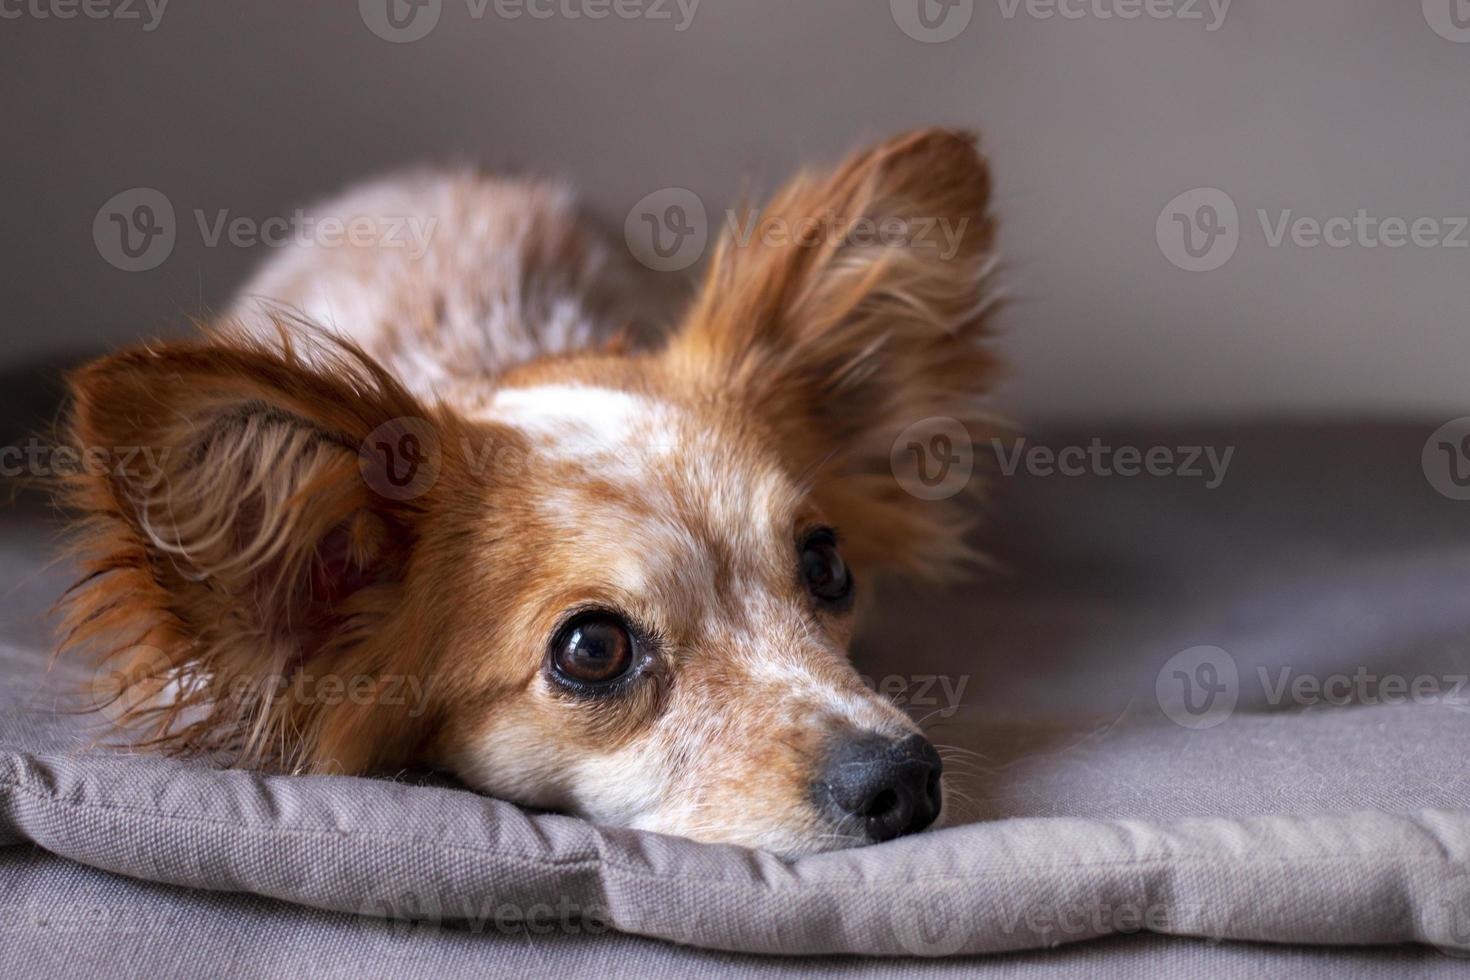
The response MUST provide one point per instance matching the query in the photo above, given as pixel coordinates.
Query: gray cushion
(62, 919)
(1090, 808)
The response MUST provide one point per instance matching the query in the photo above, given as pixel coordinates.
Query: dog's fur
(261, 596)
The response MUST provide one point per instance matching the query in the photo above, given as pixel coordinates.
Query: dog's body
(498, 273)
(607, 558)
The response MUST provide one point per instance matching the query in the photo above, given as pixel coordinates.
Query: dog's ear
(247, 511)
(849, 311)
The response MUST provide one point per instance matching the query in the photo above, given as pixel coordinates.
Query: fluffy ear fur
(848, 310)
(240, 538)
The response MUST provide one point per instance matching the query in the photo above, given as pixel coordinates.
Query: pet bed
(1200, 717)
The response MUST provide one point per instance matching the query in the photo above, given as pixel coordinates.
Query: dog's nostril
(887, 787)
(886, 800)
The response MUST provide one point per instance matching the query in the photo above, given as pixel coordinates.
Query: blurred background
(1122, 133)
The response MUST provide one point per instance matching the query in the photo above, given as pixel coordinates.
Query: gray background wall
(1093, 125)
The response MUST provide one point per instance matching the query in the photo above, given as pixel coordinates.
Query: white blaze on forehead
(668, 459)
(575, 420)
(621, 436)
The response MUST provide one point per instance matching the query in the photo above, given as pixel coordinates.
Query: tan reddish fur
(782, 392)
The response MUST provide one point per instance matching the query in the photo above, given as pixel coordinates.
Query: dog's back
(450, 276)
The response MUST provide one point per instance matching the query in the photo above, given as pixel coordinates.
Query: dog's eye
(593, 649)
(822, 566)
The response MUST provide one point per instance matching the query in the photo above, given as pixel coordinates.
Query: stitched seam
(655, 876)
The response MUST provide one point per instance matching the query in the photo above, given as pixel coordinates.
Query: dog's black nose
(886, 787)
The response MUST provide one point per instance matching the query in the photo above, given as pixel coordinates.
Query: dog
(460, 509)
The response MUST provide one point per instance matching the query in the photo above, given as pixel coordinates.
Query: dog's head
(620, 584)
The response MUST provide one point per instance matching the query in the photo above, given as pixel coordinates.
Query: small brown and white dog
(617, 571)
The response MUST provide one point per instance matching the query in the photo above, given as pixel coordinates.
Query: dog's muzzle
(880, 787)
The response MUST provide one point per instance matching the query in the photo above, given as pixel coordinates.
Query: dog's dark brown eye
(822, 566)
(593, 649)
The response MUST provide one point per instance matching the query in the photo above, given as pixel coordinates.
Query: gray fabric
(61, 919)
(1089, 810)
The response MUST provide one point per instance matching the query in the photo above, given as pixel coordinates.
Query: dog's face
(664, 644)
(629, 587)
